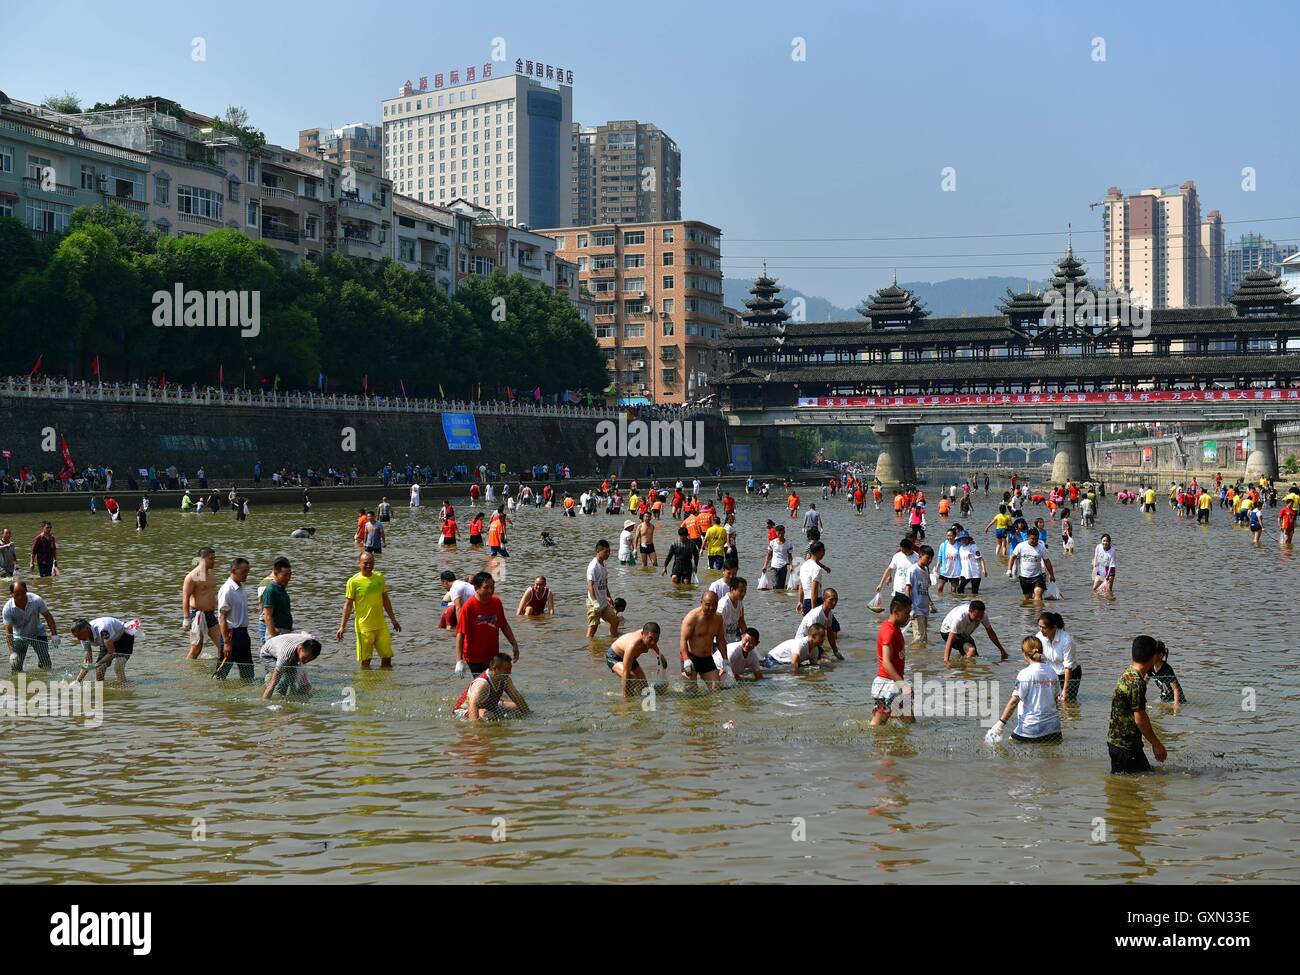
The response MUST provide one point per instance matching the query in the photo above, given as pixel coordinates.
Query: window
(6, 159)
(634, 284)
(406, 250)
(668, 259)
(311, 227)
(668, 307)
(252, 215)
(234, 191)
(252, 171)
(633, 331)
(603, 239)
(633, 261)
(198, 202)
(668, 327)
(6, 208)
(668, 235)
(87, 177)
(635, 306)
(559, 241)
(582, 240)
(667, 283)
(36, 166)
(48, 217)
(162, 191)
(634, 237)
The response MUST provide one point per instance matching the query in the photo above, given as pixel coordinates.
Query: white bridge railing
(62, 389)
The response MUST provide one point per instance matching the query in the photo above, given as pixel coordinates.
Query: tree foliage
(94, 292)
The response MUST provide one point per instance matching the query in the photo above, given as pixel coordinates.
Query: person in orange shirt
(362, 518)
(943, 507)
(898, 504)
(569, 505)
(792, 503)
(658, 508)
(497, 537)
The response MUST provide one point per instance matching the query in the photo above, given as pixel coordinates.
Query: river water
(191, 780)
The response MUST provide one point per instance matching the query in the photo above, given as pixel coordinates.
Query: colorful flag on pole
(67, 454)
(162, 380)
(276, 384)
(365, 383)
(510, 394)
(320, 381)
(480, 391)
(94, 367)
(221, 374)
(440, 392)
(537, 393)
(37, 368)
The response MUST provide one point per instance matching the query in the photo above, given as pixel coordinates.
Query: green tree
(68, 103)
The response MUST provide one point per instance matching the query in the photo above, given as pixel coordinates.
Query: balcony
(196, 218)
(58, 189)
(668, 354)
(138, 207)
(359, 246)
(280, 233)
(349, 203)
(276, 193)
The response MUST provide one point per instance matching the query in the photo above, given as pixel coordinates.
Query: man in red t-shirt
(888, 690)
(479, 627)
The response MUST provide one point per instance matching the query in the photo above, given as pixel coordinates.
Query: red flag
(67, 454)
(94, 367)
(162, 381)
(537, 393)
(365, 383)
(510, 394)
(37, 368)
(221, 375)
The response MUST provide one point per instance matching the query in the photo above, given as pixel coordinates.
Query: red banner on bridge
(1098, 399)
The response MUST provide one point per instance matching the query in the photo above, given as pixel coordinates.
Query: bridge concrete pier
(1070, 451)
(895, 465)
(1262, 459)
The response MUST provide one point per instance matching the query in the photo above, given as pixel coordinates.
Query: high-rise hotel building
(500, 141)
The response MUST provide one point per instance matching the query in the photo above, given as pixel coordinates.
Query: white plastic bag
(791, 580)
(765, 582)
(877, 604)
(1053, 591)
(934, 577)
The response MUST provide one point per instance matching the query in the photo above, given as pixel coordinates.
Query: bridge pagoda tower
(894, 307)
(765, 308)
(1261, 294)
(1069, 440)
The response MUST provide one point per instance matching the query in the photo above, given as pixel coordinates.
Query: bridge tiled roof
(1014, 370)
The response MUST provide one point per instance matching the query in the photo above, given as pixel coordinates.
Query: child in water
(1166, 679)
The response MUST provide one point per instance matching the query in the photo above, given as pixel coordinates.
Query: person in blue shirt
(1256, 525)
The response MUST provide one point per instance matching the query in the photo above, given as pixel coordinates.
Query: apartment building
(49, 168)
(656, 290)
(425, 238)
(1251, 252)
(357, 145)
(500, 142)
(288, 195)
(1158, 250)
(495, 244)
(361, 222)
(625, 172)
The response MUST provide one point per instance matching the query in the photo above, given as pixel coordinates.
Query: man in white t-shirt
(958, 626)
(900, 567)
(823, 614)
(798, 651)
(600, 604)
(732, 607)
(721, 586)
(811, 574)
(742, 656)
(1030, 562)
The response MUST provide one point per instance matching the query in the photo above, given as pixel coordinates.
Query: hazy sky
(783, 155)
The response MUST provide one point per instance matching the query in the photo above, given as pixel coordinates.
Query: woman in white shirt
(1103, 565)
(1033, 700)
(973, 567)
(1058, 650)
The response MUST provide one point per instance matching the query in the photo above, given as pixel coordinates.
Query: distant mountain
(954, 296)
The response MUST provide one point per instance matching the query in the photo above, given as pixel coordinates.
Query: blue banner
(742, 458)
(461, 431)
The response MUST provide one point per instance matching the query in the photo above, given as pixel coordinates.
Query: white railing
(62, 389)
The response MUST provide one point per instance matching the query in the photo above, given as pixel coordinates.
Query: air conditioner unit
(102, 180)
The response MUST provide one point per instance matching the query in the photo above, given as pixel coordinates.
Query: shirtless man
(537, 600)
(482, 700)
(645, 540)
(702, 633)
(199, 605)
(621, 657)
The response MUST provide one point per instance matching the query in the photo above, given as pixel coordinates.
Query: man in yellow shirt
(715, 544)
(1203, 504)
(367, 594)
(1149, 500)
